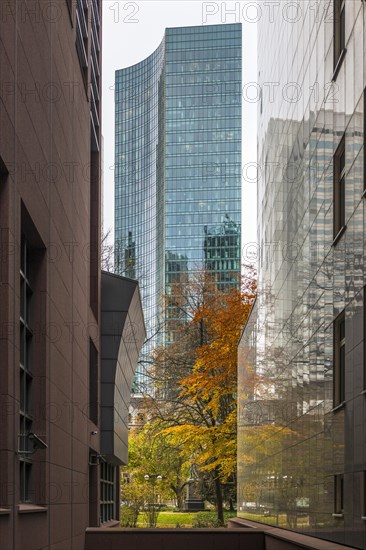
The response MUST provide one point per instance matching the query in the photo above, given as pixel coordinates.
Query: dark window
(93, 383)
(339, 360)
(338, 494)
(364, 141)
(363, 494)
(339, 166)
(364, 337)
(339, 31)
(82, 37)
(94, 61)
(94, 236)
(26, 373)
(95, 75)
(3, 170)
(108, 492)
(69, 6)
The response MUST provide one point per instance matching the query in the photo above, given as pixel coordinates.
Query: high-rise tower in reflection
(178, 162)
(305, 338)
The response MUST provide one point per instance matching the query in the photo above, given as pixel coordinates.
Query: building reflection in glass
(222, 252)
(177, 159)
(301, 454)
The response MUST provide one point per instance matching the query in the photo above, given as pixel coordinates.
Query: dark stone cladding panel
(179, 539)
(122, 335)
(277, 538)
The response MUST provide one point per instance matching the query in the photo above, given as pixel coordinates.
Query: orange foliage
(210, 387)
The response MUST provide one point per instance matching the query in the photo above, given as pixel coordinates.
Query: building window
(69, 7)
(338, 494)
(339, 31)
(363, 495)
(3, 170)
(26, 373)
(94, 95)
(364, 337)
(108, 492)
(364, 142)
(339, 167)
(93, 383)
(82, 37)
(95, 74)
(339, 359)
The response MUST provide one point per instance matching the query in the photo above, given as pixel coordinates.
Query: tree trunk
(179, 493)
(220, 506)
(180, 499)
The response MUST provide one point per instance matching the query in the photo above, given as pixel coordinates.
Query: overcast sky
(131, 32)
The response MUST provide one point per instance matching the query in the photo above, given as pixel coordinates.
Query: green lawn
(280, 520)
(178, 519)
(271, 520)
(173, 518)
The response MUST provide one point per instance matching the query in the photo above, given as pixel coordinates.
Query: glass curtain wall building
(178, 163)
(301, 437)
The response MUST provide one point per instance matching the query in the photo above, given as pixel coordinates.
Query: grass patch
(180, 519)
(278, 520)
(185, 519)
(171, 519)
(270, 520)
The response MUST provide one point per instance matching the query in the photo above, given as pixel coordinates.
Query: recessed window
(69, 7)
(364, 337)
(339, 494)
(3, 169)
(339, 167)
(339, 29)
(93, 383)
(364, 142)
(26, 373)
(108, 492)
(82, 38)
(339, 360)
(363, 494)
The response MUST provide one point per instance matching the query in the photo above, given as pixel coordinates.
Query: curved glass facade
(178, 162)
(138, 136)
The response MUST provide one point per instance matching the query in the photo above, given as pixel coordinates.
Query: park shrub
(206, 519)
(128, 516)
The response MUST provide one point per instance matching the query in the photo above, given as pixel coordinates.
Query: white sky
(131, 32)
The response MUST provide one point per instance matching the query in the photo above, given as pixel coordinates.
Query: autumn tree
(154, 454)
(196, 370)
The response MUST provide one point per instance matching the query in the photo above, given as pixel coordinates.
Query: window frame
(109, 492)
(364, 143)
(363, 495)
(70, 6)
(339, 190)
(364, 343)
(338, 496)
(82, 40)
(339, 35)
(339, 361)
(25, 374)
(93, 383)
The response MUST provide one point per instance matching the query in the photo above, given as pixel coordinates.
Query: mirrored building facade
(178, 162)
(302, 452)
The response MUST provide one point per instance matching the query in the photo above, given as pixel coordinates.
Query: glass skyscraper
(178, 162)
